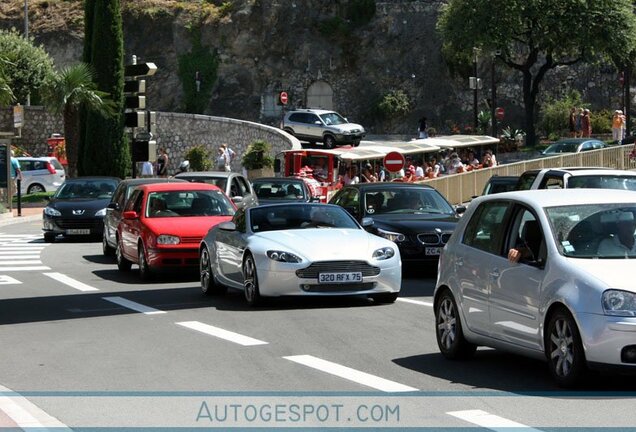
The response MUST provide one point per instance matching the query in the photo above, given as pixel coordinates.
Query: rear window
(56, 164)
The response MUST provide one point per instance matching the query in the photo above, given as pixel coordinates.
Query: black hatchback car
(415, 216)
(78, 207)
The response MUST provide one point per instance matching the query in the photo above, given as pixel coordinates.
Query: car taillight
(50, 167)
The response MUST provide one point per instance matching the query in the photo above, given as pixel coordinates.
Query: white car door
(478, 256)
(515, 293)
(229, 248)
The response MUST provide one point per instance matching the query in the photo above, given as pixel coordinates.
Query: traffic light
(136, 115)
(144, 150)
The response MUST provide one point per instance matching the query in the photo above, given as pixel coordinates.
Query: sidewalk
(29, 214)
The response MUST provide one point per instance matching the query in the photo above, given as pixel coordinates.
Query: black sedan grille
(313, 270)
(79, 223)
(433, 238)
(333, 288)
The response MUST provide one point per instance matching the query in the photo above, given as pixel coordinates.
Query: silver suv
(328, 127)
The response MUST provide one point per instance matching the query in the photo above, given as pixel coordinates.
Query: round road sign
(499, 113)
(394, 161)
(284, 98)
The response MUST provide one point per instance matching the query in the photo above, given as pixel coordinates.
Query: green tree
(104, 151)
(535, 36)
(68, 91)
(6, 94)
(202, 63)
(25, 67)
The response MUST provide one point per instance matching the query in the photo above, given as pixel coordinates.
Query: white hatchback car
(570, 298)
(41, 174)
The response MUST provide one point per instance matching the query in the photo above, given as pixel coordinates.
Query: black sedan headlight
(393, 236)
(282, 256)
(50, 211)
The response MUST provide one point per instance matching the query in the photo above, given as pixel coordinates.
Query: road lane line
(221, 334)
(25, 268)
(489, 421)
(350, 374)
(19, 257)
(417, 302)
(147, 310)
(26, 414)
(8, 280)
(70, 281)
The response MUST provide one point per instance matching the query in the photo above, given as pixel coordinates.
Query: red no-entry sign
(284, 98)
(394, 161)
(500, 113)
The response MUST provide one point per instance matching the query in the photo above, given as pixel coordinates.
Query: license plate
(351, 277)
(433, 250)
(77, 231)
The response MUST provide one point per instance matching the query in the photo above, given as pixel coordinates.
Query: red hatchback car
(163, 224)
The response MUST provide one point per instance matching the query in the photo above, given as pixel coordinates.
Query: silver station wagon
(544, 273)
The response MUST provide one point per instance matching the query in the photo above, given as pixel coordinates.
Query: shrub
(395, 103)
(199, 158)
(258, 156)
(555, 114)
(601, 122)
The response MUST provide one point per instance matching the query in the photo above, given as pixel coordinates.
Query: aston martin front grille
(313, 270)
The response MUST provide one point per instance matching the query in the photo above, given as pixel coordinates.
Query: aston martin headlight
(384, 253)
(393, 236)
(619, 303)
(50, 211)
(282, 256)
(102, 212)
(166, 239)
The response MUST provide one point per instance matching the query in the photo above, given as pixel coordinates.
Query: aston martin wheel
(448, 329)
(144, 268)
(564, 349)
(250, 281)
(122, 263)
(209, 284)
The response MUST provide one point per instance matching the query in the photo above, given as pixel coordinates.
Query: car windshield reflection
(308, 216)
(424, 201)
(594, 230)
(89, 189)
(188, 203)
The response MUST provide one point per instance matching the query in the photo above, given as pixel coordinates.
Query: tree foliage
(199, 158)
(395, 103)
(535, 36)
(68, 91)
(555, 114)
(25, 67)
(202, 60)
(104, 151)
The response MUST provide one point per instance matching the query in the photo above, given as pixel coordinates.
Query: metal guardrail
(461, 188)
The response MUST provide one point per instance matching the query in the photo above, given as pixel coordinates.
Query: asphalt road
(84, 345)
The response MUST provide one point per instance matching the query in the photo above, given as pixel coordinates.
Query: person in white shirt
(351, 176)
(455, 164)
(419, 170)
(623, 242)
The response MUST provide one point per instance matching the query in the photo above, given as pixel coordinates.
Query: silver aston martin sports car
(307, 249)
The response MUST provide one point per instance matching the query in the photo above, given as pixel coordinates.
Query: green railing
(460, 188)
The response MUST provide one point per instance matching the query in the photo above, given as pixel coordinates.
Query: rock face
(266, 46)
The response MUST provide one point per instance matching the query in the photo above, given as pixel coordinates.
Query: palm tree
(69, 90)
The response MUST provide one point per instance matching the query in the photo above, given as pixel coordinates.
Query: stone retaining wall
(175, 131)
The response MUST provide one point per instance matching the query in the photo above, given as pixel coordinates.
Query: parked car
(163, 224)
(235, 185)
(542, 274)
(414, 216)
(272, 190)
(577, 177)
(41, 174)
(297, 249)
(115, 209)
(324, 126)
(573, 145)
(78, 207)
(498, 184)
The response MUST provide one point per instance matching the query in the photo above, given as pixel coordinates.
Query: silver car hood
(615, 273)
(326, 244)
(349, 127)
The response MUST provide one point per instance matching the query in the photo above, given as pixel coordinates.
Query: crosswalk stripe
(23, 268)
(350, 374)
(4, 252)
(20, 262)
(26, 414)
(10, 257)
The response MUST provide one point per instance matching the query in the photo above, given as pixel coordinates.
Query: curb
(10, 220)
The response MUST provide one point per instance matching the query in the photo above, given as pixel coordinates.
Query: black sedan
(78, 207)
(415, 216)
(272, 190)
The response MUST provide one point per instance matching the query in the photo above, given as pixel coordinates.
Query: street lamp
(475, 85)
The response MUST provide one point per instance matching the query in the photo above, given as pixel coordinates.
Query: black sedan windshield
(282, 217)
(87, 189)
(414, 201)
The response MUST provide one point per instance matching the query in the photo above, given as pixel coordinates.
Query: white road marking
(489, 421)
(4, 251)
(19, 257)
(21, 249)
(19, 262)
(147, 310)
(221, 334)
(8, 280)
(21, 245)
(25, 268)
(417, 302)
(350, 374)
(26, 414)
(69, 281)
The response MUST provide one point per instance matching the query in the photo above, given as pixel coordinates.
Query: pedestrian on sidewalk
(423, 128)
(586, 124)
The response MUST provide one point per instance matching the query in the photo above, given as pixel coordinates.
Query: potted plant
(257, 160)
